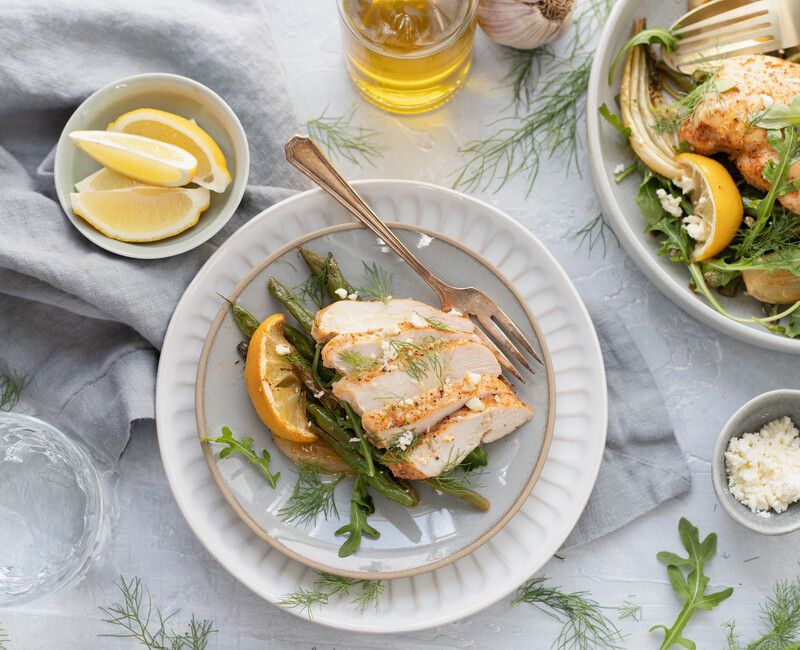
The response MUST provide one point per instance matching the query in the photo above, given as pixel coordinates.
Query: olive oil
(408, 56)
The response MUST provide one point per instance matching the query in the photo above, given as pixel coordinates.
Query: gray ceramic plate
(607, 149)
(168, 92)
(441, 529)
(749, 418)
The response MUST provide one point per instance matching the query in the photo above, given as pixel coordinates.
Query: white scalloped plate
(540, 526)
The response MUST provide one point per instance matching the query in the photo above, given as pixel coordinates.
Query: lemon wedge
(717, 204)
(143, 159)
(141, 214)
(275, 391)
(212, 169)
(105, 179)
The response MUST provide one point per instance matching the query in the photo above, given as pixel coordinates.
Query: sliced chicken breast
(420, 414)
(448, 443)
(341, 351)
(414, 372)
(354, 316)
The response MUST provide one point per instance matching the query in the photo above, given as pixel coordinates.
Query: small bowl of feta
(756, 463)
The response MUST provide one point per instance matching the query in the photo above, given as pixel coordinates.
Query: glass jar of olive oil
(408, 56)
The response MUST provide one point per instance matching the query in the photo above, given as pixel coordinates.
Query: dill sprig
(11, 386)
(780, 615)
(630, 610)
(139, 620)
(358, 362)
(594, 232)
(313, 290)
(435, 323)
(584, 625)
(329, 586)
(376, 282)
(548, 92)
(311, 497)
(671, 115)
(420, 360)
(342, 139)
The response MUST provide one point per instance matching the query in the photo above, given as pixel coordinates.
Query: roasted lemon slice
(143, 159)
(717, 204)
(212, 169)
(275, 391)
(141, 214)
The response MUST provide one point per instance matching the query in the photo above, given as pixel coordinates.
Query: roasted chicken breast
(721, 122)
(448, 443)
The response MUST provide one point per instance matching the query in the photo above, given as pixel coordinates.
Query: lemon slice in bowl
(143, 159)
(141, 214)
(106, 179)
(717, 204)
(275, 391)
(212, 169)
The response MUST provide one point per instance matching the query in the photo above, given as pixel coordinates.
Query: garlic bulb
(524, 24)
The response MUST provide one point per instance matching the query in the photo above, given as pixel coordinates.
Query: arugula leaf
(645, 37)
(614, 120)
(779, 116)
(244, 447)
(785, 258)
(361, 506)
(691, 588)
(676, 240)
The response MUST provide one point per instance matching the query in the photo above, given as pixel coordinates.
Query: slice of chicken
(375, 345)
(353, 316)
(447, 444)
(385, 425)
(413, 373)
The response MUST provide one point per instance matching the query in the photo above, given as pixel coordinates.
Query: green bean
(334, 279)
(338, 439)
(300, 340)
(355, 422)
(474, 459)
(326, 398)
(460, 491)
(290, 301)
(314, 261)
(245, 320)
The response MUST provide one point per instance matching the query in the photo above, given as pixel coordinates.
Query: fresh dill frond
(630, 610)
(376, 282)
(435, 323)
(313, 290)
(12, 384)
(780, 616)
(548, 92)
(311, 497)
(343, 139)
(421, 360)
(394, 454)
(139, 620)
(358, 362)
(584, 625)
(670, 116)
(329, 586)
(594, 232)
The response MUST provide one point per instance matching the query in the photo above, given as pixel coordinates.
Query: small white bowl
(750, 418)
(175, 94)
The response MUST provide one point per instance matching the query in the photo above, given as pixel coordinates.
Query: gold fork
(724, 28)
(303, 153)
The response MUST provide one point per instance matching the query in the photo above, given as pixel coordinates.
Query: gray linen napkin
(86, 325)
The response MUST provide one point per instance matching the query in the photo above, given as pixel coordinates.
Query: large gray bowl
(607, 148)
(751, 417)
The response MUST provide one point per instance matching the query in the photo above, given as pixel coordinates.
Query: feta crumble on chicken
(405, 440)
(475, 404)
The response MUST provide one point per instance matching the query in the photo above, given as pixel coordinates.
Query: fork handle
(303, 153)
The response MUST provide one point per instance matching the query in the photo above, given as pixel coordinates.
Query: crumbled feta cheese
(393, 331)
(471, 380)
(455, 312)
(308, 424)
(686, 183)
(619, 169)
(764, 468)
(282, 349)
(353, 296)
(319, 394)
(698, 228)
(417, 320)
(767, 100)
(342, 293)
(389, 351)
(355, 439)
(474, 404)
(408, 401)
(405, 440)
(671, 204)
